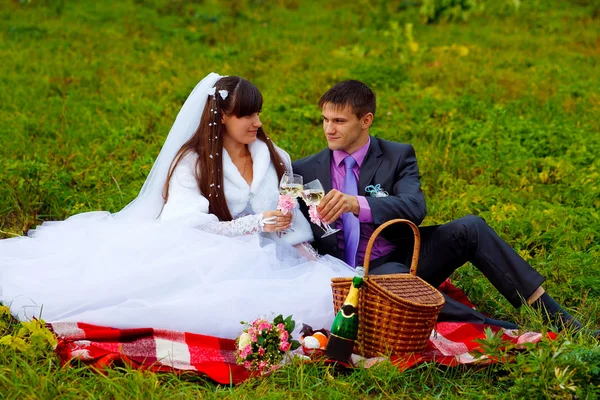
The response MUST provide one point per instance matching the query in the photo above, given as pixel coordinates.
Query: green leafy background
(501, 100)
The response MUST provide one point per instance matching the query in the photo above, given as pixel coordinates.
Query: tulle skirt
(129, 274)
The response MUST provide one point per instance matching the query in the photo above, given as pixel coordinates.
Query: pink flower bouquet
(262, 344)
(286, 203)
(315, 218)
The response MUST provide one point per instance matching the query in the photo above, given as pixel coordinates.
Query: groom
(369, 181)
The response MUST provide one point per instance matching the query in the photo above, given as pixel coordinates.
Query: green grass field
(501, 99)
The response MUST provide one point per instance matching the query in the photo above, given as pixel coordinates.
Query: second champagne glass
(313, 194)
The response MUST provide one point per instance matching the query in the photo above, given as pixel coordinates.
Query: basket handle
(416, 248)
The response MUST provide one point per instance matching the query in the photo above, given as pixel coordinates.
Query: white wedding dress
(183, 271)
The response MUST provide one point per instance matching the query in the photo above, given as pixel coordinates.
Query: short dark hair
(353, 93)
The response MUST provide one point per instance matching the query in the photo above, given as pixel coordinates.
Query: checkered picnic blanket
(451, 344)
(151, 349)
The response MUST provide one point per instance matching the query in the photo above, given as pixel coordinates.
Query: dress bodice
(187, 206)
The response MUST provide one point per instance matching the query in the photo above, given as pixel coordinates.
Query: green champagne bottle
(344, 329)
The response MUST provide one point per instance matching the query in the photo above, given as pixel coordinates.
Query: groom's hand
(335, 203)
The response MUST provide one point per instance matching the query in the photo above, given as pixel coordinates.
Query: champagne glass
(291, 184)
(313, 194)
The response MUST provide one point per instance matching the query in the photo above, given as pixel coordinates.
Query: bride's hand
(275, 221)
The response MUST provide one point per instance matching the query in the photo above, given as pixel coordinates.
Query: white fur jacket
(186, 205)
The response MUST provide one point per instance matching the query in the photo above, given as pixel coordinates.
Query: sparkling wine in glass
(291, 184)
(313, 194)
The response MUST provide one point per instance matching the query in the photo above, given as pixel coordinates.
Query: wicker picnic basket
(397, 312)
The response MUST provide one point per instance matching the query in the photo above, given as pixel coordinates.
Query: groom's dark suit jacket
(389, 164)
(394, 167)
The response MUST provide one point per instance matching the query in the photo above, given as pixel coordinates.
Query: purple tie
(350, 222)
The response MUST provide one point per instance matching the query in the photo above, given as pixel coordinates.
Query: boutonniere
(376, 191)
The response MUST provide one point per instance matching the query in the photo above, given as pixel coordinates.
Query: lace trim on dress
(248, 225)
(308, 251)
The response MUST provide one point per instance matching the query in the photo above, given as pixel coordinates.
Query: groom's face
(343, 129)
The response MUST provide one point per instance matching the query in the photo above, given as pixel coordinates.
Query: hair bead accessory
(223, 93)
(214, 111)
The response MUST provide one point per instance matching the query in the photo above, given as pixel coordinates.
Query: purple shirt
(381, 247)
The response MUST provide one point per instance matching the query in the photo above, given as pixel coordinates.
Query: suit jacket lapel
(369, 165)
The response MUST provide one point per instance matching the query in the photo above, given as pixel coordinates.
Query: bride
(200, 249)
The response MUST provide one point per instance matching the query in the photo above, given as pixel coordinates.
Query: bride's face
(242, 129)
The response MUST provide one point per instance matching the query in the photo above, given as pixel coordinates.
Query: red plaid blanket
(151, 349)
(451, 344)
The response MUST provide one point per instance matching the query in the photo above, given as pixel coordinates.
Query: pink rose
(286, 203)
(262, 365)
(257, 322)
(264, 325)
(284, 336)
(253, 332)
(315, 218)
(246, 351)
(284, 346)
(280, 326)
(247, 364)
(261, 351)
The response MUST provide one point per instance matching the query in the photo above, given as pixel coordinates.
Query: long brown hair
(244, 99)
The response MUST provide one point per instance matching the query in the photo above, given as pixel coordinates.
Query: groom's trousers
(444, 248)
